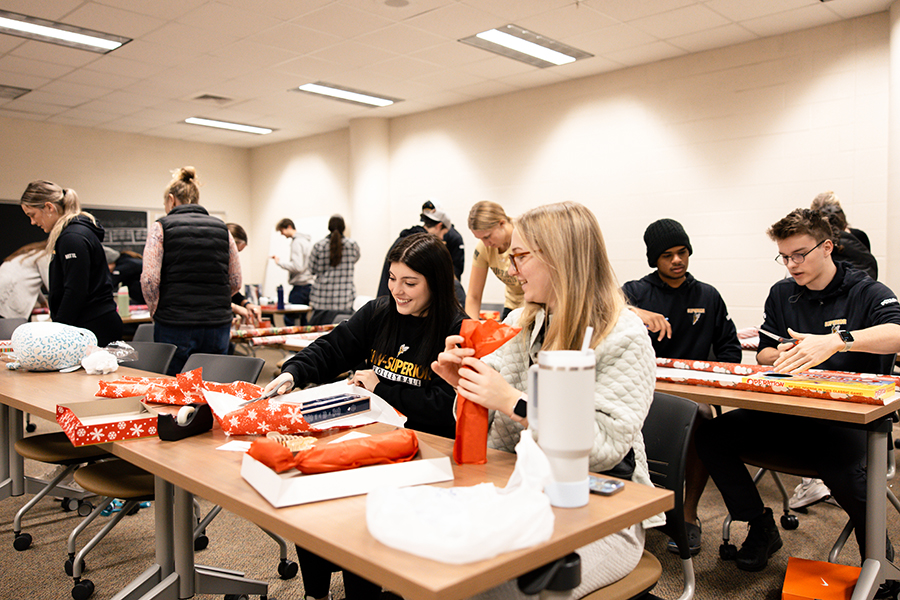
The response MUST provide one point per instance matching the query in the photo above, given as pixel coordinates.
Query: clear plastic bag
(465, 524)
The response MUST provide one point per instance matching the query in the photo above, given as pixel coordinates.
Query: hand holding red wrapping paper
(480, 338)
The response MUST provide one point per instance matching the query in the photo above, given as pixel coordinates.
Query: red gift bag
(470, 445)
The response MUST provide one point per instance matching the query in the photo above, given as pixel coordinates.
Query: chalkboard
(125, 229)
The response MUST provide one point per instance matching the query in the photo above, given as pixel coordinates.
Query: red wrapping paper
(272, 454)
(396, 446)
(470, 445)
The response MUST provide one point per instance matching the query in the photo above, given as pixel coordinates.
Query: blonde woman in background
(81, 292)
(493, 229)
(21, 276)
(558, 255)
(191, 271)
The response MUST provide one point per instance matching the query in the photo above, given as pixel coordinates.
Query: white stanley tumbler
(561, 414)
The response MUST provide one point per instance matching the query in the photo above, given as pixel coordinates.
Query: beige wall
(726, 141)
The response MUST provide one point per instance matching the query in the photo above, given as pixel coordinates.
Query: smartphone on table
(604, 486)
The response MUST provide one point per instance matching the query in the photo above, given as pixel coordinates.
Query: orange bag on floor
(395, 446)
(470, 445)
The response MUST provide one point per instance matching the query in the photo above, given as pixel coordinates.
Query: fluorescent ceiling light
(227, 125)
(520, 44)
(59, 33)
(346, 94)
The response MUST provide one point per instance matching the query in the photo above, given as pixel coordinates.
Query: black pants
(107, 327)
(299, 295)
(835, 451)
(316, 573)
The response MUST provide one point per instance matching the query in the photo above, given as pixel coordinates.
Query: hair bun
(187, 174)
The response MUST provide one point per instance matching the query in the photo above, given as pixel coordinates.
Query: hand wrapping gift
(470, 445)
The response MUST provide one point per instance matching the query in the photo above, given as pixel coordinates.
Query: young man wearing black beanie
(686, 319)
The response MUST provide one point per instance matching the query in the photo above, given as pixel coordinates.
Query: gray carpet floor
(236, 544)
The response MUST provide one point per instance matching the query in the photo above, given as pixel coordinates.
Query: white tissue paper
(100, 362)
(466, 524)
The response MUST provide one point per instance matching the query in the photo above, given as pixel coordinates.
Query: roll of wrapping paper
(470, 445)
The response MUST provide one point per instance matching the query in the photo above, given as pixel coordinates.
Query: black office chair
(151, 356)
(143, 333)
(7, 326)
(666, 433)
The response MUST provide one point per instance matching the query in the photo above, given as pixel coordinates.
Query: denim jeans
(191, 340)
(299, 295)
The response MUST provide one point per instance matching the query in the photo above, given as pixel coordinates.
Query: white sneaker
(809, 491)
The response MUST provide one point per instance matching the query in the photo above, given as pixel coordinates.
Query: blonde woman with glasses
(558, 256)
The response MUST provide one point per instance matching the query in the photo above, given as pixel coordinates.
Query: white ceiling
(253, 51)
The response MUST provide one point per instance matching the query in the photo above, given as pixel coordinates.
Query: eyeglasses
(514, 259)
(798, 258)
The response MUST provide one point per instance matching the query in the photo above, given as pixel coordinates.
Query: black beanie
(662, 235)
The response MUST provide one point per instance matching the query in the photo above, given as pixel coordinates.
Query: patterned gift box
(106, 420)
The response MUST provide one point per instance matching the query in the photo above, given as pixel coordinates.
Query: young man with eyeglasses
(687, 319)
(843, 320)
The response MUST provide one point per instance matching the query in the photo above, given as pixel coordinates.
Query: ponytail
(336, 245)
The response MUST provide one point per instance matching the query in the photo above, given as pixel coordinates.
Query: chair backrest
(667, 430)
(7, 326)
(152, 356)
(143, 333)
(225, 368)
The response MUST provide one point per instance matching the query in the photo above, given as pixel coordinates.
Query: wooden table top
(336, 529)
(834, 410)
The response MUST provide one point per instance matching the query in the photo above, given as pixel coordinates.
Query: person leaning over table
(396, 337)
(300, 276)
(191, 270)
(22, 274)
(81, 292)
(243, 309)
(558, 255)
(332, 261)
(688, 319)
(489, 223)
(844, 321)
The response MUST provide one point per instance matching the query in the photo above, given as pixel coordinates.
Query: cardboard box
(106, 420)
(815, 580)
(293, 487)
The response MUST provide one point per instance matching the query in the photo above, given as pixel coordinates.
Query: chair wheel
(237, 597)
(727, 551)
(85, 508)
(70, 563)
(201, 542)
(134, 510)
(790, 522)
(22, 541)
(69, 504)
(30, 427)
(287, 569)
(83, 589)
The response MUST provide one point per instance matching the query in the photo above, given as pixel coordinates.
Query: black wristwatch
(847, 338)
(521, 408)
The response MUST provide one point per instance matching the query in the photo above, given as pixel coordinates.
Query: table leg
(16, 462)
(876, 568)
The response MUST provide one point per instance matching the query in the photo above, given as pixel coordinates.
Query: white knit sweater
(624, 384)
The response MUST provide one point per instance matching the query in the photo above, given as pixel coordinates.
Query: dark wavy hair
(428, 256)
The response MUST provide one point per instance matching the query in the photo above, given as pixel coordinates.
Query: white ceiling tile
(54, 99)
(310, 68)
(401, 13)
(116, 65)
(454, 21)
(635, 9)
(150, 53)
(54, 11)
(450, 54)
(112, 20)
(254, 54)
(353, 54)
(17, 64)
(295, 38)
(611, 39)
(111, 108)
(680, 21)
(25, 105)
(74, 90)
(164, 9)
(858, 8)
(228, 20)
(342, 20)
(401, 67)
(741, 10)
(718, 37)
(644, 54)
(98, 79)
(792, 20)
(53, 53)
(401, 38)
(283, 10)
(189, 39)
(513, 10)
(567, 21)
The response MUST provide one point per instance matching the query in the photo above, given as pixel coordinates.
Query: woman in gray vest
(191, 271)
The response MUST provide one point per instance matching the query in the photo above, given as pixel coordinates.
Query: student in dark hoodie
(396, 337)
(686, 319)
(81, 292)
(844, 321)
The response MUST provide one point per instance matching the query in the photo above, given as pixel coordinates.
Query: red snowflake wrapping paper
(84, 425)
(773, 387)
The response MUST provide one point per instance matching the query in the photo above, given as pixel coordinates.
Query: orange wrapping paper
(272, 454)
(470, 445)
(395, 446)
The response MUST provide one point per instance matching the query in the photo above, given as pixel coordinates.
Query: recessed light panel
(9, 92)
(345, 94)
(230, 126)
(59, 33)
(527, 46)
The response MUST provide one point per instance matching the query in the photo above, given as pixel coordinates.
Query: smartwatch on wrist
(521, 408)
(847, 338)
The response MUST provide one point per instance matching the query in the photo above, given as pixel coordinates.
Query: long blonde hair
(567, 238)
(486, 215)
(40, 192)
(185, 186)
